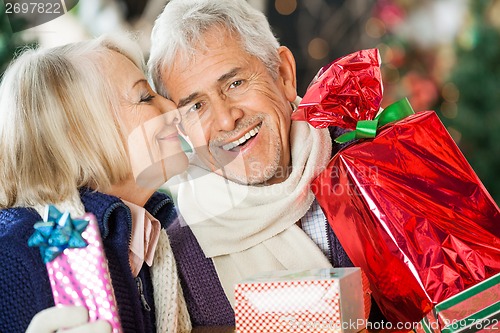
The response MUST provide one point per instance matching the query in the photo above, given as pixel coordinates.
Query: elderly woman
(80, 128)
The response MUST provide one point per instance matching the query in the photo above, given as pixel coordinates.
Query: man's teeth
(253, 132)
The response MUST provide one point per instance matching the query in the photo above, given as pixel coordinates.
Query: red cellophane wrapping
(406, 205)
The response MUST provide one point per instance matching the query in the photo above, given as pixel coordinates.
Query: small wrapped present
(321, 300)
(78, 271)
(402, 199)
(476, 309)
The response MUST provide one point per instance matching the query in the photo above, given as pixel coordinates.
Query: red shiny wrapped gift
(406, 205)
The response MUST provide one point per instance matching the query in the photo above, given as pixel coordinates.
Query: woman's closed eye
(146, 97)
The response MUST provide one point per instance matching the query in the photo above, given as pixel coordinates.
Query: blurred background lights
(449, 110)
(285, 7)
(375, 28)
(455, 134)
(450, 92)
(318, 48)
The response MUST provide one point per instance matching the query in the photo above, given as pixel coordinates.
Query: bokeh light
(285, 7)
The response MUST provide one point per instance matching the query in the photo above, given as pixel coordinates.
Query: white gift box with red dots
(320, 300)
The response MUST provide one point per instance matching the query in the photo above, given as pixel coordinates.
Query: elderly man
(246, 197)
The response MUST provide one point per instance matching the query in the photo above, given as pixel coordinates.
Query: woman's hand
(74, 319)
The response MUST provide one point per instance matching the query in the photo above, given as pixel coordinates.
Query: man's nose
(225, 114)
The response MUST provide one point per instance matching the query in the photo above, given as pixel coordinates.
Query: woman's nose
(173, 116)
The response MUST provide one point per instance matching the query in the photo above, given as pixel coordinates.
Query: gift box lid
(303, 275)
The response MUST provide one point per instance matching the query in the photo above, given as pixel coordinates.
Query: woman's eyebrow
(139, 81)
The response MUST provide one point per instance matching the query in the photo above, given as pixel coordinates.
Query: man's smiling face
(236, 115)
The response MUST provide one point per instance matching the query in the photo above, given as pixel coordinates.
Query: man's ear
(287, 72)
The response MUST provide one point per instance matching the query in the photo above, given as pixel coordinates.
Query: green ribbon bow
(368, 128)
(57, 232)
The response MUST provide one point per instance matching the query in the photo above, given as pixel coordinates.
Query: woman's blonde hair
(58, 129)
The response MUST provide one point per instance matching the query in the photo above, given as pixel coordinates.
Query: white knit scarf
(170, 307)
(251, 229)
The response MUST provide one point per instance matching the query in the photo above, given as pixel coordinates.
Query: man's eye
(236, 84)
(195, 107)
(146, 98)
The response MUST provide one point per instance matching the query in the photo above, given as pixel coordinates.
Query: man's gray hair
(178, 33)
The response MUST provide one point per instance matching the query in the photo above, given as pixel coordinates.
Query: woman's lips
(173, 136)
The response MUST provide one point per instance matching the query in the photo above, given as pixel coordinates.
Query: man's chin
(258, 179)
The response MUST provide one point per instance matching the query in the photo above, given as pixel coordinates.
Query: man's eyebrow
(187, 100)
(232, 73)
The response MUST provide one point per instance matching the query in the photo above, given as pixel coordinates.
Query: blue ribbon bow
(57, 232)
